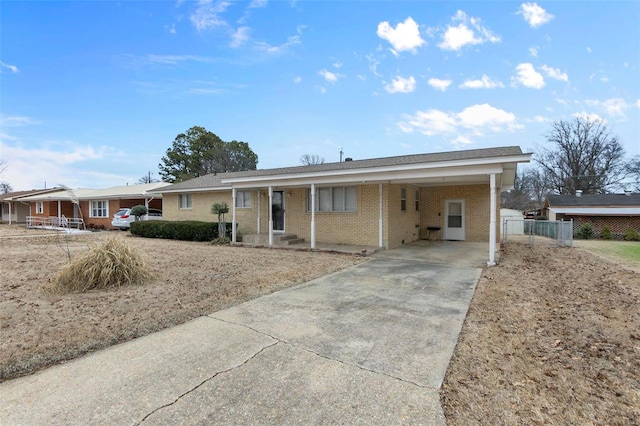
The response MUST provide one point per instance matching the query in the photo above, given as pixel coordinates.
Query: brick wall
(618, 224)
(477, 209)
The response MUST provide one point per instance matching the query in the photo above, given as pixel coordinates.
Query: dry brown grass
(552, 337)
(111, 264)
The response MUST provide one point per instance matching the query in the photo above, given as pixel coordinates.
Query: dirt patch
(38, 329)
(552, 337)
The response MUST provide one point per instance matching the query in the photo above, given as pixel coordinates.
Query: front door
(277, 211)
(455, 220)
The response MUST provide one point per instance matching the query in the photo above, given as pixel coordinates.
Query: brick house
(13, 210)
(93, 207)
(382, 202)
(620, 212)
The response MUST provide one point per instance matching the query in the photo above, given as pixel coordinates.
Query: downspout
(233, 215)
(313, 216)
(492, 222)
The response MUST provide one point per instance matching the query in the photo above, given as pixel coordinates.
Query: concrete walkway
(367, 345)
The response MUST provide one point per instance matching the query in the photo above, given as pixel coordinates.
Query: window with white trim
(334, 199)
(39, 207)
(243, 199)
(403, 199)
(417, 200)
(100, 208)
(185, 201)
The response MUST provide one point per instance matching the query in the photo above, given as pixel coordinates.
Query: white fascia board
(598, 211)
(362, 176)
(191, 190)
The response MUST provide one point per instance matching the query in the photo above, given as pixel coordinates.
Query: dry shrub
(112, 264)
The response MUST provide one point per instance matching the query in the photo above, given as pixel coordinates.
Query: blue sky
(92, 93)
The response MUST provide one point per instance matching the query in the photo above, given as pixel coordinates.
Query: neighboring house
(93, 207)
(12, 210)
(620, 212)
(383, 202)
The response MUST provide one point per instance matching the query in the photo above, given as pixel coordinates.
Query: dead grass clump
(112, 264)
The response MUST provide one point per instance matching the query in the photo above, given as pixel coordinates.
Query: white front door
(455, 220)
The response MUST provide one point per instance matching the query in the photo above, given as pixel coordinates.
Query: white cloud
(468, 32)
(615, 107)
(589, 116)
(297, 80)
(171, 28)
(173, 59)
(476, 119)
(604, 79)
(14, 69)
(528, 77)
(534, 51)
(535, 15)
(484, 83)
(589, 50)
(337, 64)
(638, 103)
(240, 36)
(540, 119)
(15, 121)
(401, 85)
(277, 50)
(461, 140)
(207, 14)
(404, 37)
(438, 84)
(257, 4)
(329, 76)
(555, 73)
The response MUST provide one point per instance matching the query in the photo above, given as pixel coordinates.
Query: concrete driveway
(367, 345)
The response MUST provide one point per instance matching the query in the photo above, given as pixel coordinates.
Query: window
(39, 207)
(403, 199)
(334, 199)
(243, 199)
(185, 201)
(417, 200)
(100, 208)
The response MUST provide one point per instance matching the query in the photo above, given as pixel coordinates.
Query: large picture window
(185, 201)
(100, 208)
(334, 199)
(243, 199)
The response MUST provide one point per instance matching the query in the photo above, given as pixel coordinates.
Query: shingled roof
(214, 181)
(594, 200)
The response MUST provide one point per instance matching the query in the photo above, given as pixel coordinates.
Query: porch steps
(278, 239)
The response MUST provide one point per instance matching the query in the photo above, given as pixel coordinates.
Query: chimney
(578, 193)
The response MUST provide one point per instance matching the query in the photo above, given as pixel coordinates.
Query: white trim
(233, 215)
(270, 208)
(447, 233)
(492, 221)
(598, 211)
(106, 209)
(380, 216)
(313, 216)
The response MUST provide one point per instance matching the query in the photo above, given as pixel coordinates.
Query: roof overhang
(597, 211)
(437, 173)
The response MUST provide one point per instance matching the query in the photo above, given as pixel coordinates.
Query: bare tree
(310, 159)
(582, 154)
(147, 179)
(3, 166)
(5, 188)
(634, 173)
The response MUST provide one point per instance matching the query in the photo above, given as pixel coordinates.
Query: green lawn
(625, 251)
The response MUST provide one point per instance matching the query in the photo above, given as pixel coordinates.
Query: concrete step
(290, 241)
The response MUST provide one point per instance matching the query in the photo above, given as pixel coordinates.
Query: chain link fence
(530, 230)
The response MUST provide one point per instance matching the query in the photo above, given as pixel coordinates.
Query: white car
(123, 218)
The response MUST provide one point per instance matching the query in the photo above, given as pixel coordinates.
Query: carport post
(380, 215)
(313, 215)
(492, 222)
(233, 215)
(10, 212)
(270, 207)
(259, 209)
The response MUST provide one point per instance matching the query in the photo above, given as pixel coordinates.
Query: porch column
(233, 215)
(59, 212)
(270, 207)
(9, 212)
(380, 221)
(313, 215)
(492, 221)
(259, 209)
